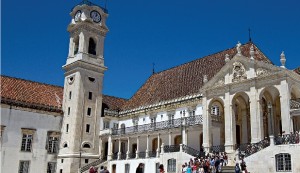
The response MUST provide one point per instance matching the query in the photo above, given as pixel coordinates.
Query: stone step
(228, 169)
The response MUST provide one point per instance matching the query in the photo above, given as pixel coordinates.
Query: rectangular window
(60, 171)
(67, 128)
(106, 125)
(26, 142)
(127, 168)
(69, 110)
(89, 111)
(283, 162)
(24, 167)
(116, 126)
(70, 95)
(153, 122)
(87, 128)
(171, 119)
(90, 95)
(86, 160)
(52, 142)
(171, 165)
(62, 160)
(157, 167)
(51, 167)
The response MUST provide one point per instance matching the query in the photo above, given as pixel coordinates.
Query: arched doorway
(270, 111)
(241, 118)
(216, 112)
(155, 143)
(177, 140)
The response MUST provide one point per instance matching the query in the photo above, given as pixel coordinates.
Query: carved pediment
(238, 72)
(262, 72)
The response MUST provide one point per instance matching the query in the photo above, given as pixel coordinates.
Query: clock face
(77, 16)
(95, 15)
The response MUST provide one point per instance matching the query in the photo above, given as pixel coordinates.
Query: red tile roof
(41, 96)
(297, 70)
(182, 80)
(185, 79)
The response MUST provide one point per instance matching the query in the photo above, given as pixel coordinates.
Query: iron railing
(132, 155)
(174, 123)
(114, 156)
(217, 148)
(123, 156)
(171, 148)
(295, 103)
(95, 163)
(152, 153)
(249, 149)
(192, 151)
(142, 155)
(292, 138)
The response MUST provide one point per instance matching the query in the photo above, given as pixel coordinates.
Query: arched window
(171, 165)
(215, 110)
(86, 145)
(92, 46)
(76, 45)
(283, 162)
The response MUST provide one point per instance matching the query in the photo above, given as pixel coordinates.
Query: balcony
(175, 123)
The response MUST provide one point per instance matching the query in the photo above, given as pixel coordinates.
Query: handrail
(217, 148)
(171, 148)
(292, 138)
(248, 149)
(174, 123)
(95, 163)
(192, 151)
(295, 103)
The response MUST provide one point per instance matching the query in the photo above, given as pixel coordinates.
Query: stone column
(128, 148)
(137, 147)
(71, 47)
(119, 153)
(206, 126)
(285, 107)
(230, 128)
(170, 138)
(100, 149)
(158, 145)
(255, 117)
(244, 131)
(147, 147)
(81, 46)
(109, 157)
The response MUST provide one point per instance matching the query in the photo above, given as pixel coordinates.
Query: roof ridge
(115, 97)
(31, 81)
(204, 57)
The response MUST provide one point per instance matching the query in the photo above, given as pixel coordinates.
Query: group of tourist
(211, 163)
(287, 138)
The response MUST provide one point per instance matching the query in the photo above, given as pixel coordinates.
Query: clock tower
(84, 70)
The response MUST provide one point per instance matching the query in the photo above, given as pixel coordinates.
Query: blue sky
(168, 33)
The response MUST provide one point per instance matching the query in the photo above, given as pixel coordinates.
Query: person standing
(140, 168)
(161, 168)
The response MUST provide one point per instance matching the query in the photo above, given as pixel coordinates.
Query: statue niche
(239, 72)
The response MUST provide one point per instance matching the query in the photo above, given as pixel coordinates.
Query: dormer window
(92, 46)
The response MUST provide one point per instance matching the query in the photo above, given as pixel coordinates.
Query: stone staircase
(228, 169)
(96, 163)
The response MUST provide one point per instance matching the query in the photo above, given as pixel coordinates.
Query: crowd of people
(287, 138)
(211, 163)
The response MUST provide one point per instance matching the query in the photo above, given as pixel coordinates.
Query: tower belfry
(84, 71)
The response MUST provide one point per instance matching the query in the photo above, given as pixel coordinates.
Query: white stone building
(228, 101)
